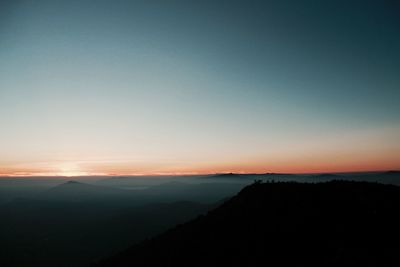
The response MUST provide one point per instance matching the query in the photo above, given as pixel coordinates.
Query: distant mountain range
(335, 223)
(77, 191)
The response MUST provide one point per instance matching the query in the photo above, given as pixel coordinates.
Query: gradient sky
(161, 87)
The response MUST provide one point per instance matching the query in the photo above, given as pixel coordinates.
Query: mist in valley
(78, 221)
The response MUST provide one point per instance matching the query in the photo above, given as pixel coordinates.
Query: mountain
(335, 223)
(78, 191)
(226, 175)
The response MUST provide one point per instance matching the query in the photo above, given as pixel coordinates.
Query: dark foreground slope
(284, 224)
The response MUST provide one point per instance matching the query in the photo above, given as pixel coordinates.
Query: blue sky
(138, 87)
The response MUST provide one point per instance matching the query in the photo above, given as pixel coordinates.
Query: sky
(187, 87)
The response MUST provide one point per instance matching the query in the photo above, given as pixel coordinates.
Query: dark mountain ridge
(335, 223)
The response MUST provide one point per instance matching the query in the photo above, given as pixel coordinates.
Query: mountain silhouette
(78, 191)
(226, 175)
(334, 223)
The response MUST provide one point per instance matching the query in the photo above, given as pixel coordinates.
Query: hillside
(284, 224)
(68, 233)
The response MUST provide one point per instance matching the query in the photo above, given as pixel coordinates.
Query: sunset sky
(184, 87)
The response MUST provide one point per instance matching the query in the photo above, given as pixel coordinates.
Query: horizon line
(193, 174)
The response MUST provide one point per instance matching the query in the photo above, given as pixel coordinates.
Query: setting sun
(70, 170)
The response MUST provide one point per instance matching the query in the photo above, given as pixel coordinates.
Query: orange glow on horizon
(361, 152)
(294, 169)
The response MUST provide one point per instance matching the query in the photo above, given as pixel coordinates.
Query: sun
(69, 170)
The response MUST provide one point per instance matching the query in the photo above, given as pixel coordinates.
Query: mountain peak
(77, 191)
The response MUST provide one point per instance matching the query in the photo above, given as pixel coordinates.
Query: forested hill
(284, 224)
